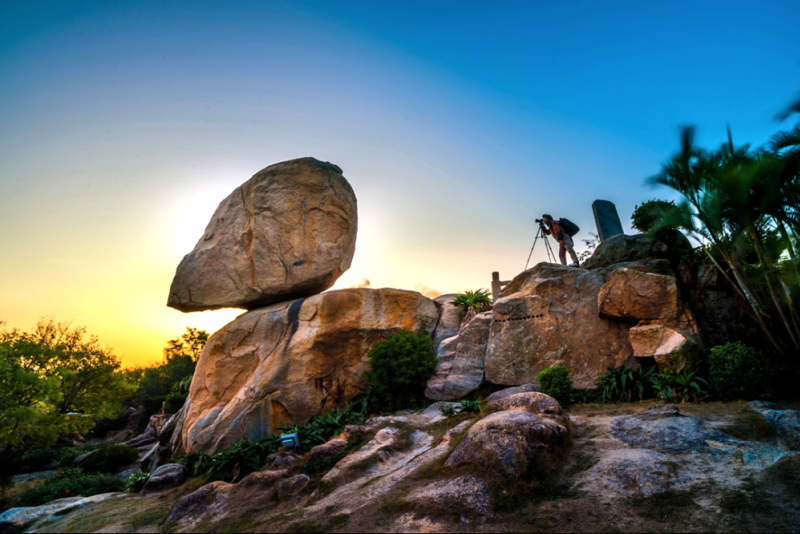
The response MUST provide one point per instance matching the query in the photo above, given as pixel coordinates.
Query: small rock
(282, 460)
(507, 392)
(467, 491)
(263, 478)
(535, 403)
(208, 501)
(293, 485)
(166, 476)
(332, 448)
(507, 442)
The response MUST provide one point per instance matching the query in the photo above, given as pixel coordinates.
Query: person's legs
(562, 253)
(570, 247)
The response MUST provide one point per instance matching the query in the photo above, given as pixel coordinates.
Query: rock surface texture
(625, 248)
(672, 349)
(461, 361)
(289, 232)
(549, 315)
(287, 362)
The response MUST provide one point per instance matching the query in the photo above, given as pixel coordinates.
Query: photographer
(552, 228)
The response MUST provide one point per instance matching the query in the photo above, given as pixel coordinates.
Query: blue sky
(124, 124)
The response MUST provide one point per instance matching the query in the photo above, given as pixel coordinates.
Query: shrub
(173, 403)
(68, 454)
(476, 300)
(36, 459)
(136, 481)
(110, 459)
(400, 367)
(621, 383)
(678, 387)
(69, 483)
(737, 371)
(555, 381)
(652, 215)
(323, 427)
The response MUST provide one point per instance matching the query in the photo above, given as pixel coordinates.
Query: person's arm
(545, 229)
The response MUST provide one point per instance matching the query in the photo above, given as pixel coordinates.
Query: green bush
(68, 454)
(555, 381)
(110, 459)
(400, 367)
(37, 459)
(622, 383)
(653, 215)
(479, 300)
(136, 481)
(737, 371)
(173, 403)
(69, 483)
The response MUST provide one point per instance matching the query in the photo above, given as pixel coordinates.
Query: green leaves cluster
(110, 459)
(400, 367)
(55, 380)
(679, 387)
(71, 482)
(621, 383)
(744, 207)
(136, 481)
(738, 371)
(555, 381)
(479, 301)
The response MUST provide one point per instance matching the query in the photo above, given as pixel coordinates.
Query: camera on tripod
(540, 221)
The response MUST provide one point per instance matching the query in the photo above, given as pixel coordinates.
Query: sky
(124, 124)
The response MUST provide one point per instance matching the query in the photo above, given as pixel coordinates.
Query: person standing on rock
(565, 243)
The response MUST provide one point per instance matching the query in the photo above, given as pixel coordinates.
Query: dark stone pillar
(606, 218)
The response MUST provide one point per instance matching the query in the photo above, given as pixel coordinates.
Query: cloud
(362, 283)
(427, 291)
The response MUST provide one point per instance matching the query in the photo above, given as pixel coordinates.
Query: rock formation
(289, 232)
(287, 362)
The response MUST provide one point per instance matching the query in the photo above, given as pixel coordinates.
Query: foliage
(246, 456)
(110, 459)
(174, 375)
(55, 380)
(479, 300)
(173, 403)
(136, 481)
(744, 206)
(449, 410)
(555, 381)
(653, 214)
(323, 427)
(620, 383)
(400, 367)
(69, 483)
(472, 406)
(591, 245)
(678, 387)
(737, 371)
(66, 455)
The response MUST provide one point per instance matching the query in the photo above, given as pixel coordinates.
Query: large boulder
(505, 443)
(288, 362)
(673, 349)
(631, 295)
(640, 472)
(461, 361)
(549, 315)
(289, 232)
(624, 248)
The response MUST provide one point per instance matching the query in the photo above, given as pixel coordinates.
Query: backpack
(570, 227)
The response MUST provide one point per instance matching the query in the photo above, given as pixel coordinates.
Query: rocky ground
(623, 467)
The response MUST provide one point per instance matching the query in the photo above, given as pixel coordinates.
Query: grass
(667, 506)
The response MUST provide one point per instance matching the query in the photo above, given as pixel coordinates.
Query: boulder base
(287, 362)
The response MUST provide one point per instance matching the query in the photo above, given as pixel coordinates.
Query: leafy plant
(585, 396)
(136, 481)
(110, 459)
(400, 367)
(449, 410)
(651, 215)
(674, 387)
(555, 381)
(479, 300)
(323, 427)
(472, 406)
(173, 403)
(621, 383)
(737, 371)
(69, 483)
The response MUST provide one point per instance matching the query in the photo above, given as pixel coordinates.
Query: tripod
(551, 256)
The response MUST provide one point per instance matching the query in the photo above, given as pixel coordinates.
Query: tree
(189, 344)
